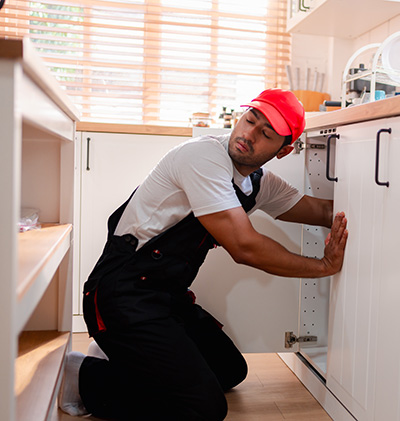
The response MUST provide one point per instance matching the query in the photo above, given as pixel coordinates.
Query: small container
(200, 120)
(380, 95)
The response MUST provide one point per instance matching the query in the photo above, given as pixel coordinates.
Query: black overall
(168, 358)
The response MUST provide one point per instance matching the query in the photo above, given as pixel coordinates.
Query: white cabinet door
(355, 305)
(387, 389)
(256, 308)
(112, 166)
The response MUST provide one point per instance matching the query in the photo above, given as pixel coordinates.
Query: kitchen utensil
(289, 76)
(321, 83)
(297, 78)
(315, 81)
(307, 77)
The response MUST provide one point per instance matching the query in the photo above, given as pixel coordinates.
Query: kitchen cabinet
(112, 165)
(387, 382)
(361, 370)
(362, 376)
(257, 308)
(338, 18)
(350, 368)
(37, 171)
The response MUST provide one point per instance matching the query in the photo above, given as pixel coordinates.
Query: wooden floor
(271, 392)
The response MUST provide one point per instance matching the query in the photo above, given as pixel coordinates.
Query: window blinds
(156, 61)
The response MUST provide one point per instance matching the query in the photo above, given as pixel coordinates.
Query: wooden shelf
(40, 252)
(37, 168)
(38, 370)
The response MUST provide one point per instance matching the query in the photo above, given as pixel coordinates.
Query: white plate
(391, 58)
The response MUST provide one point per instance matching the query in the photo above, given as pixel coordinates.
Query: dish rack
(385, 68)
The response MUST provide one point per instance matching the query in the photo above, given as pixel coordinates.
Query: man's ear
(284, 151)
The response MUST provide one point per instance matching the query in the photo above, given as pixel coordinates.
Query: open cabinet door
(255, 307)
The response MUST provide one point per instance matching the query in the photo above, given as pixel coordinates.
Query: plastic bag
(28, 219)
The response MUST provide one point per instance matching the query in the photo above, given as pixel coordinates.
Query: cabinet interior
(314, 293)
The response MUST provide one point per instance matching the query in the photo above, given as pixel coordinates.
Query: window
(156, 61)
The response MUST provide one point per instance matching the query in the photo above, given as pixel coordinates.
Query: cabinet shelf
(38, 370)
(37, 170)
(40, 253)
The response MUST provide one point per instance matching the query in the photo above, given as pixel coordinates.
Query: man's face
(254, 142)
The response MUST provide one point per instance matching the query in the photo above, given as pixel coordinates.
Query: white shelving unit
(36, 170)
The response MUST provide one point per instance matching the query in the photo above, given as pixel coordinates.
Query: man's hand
(335, 244)
(234, 231)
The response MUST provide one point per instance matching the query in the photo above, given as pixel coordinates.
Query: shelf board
(40, 252)
(38, 372)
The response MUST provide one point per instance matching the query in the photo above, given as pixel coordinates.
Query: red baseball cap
(282, 109)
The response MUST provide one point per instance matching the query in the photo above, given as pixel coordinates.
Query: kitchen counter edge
(388, 107)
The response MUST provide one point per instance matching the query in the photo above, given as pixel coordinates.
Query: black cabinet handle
(328, 156)
(87, 153)
(378, 140)
(302, 7)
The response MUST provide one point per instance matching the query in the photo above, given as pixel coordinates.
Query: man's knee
(215, 407)
(236, 374)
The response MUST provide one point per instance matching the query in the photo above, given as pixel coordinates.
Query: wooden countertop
(85, 126)
(23, 51)
(389, 107)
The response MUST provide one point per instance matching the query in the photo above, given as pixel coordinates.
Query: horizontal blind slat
(156, 60)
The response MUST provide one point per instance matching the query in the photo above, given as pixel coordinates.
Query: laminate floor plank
(271, 392)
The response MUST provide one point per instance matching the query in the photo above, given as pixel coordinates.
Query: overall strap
(248, 202)
(116, 216)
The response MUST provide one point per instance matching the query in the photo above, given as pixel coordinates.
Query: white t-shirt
(196, 176)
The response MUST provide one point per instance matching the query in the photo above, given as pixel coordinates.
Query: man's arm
(234, 231)
(310, 210)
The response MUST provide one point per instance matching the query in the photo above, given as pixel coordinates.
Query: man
(165, 358)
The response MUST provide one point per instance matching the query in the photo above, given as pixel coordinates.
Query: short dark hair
(287, 141)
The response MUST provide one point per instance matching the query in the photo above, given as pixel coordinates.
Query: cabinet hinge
(300, 146)
(291, 339)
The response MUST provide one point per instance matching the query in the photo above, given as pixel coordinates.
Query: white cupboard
(349, 369)
(361, 370)
(36, 171)
(387, 383)
(112, 165)
(362, 376)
